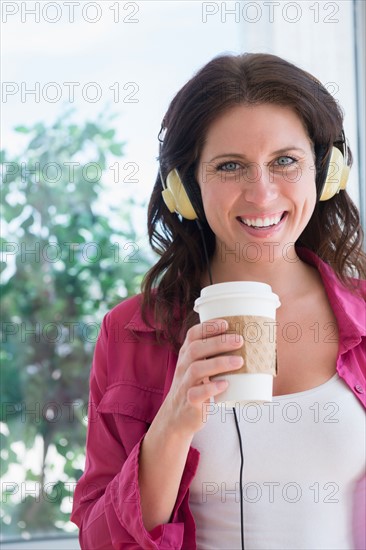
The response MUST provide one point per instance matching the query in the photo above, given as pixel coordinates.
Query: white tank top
(303, 454)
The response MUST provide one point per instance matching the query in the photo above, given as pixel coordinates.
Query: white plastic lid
(255, 294)
(233, 287)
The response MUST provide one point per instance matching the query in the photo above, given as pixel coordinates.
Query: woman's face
(257, 178)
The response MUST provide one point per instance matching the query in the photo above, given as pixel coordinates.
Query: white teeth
(258, 222)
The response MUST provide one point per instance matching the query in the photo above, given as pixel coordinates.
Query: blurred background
(85, 86)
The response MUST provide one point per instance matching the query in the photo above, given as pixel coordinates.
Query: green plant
(66, 261)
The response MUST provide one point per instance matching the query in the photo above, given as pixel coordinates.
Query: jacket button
(359, 388)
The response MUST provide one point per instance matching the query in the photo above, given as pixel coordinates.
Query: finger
(207, 329)
(198, 394)
(215, 345)
(199, 371)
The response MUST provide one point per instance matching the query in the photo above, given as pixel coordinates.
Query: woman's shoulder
(126, 309)
(359, 286)
(128, 314)
(349, 287)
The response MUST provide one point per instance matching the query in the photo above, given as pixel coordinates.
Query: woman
(251, 138)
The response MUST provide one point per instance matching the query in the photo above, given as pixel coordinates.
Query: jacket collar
(348, 307)
(137, 324)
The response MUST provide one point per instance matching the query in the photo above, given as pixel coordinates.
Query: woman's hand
(166, 444)
(191, 386)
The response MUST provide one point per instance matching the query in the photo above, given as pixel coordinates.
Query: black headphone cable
(205, 249)
(240, 479)
(234, 411)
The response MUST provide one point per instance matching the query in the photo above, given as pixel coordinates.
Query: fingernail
(235, 339)
(236, 360)
(221, 384)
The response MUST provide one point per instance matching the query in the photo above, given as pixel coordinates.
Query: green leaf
(116, 149)
(91, 130)
(37, 142)
(109, 134)
(22, 129)
(59, 288)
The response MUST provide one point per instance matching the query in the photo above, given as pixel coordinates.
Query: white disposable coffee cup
(250, 308)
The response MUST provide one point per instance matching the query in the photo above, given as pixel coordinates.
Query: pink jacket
(129, 381)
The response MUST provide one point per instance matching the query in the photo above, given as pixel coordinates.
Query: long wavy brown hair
(334, 232)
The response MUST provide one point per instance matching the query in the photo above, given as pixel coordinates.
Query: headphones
(185, 200)
(337, 171)
(176, 197)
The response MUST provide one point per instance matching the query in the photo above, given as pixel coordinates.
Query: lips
(263, 226)
(262, 221)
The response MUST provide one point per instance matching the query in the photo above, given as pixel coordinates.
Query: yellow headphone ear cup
(345, 176)
(337, 175)
(168, 199)
(176, 198)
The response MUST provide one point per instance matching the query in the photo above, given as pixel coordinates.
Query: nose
(260, 187)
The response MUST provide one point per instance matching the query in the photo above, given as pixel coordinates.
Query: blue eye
(285, 161)
(230, 166)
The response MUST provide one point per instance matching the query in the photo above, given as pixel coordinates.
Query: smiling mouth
(260, 223)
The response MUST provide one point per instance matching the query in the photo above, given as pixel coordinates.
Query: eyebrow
(278, 152)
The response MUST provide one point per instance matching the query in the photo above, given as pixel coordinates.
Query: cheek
(215, 204)
(210, 206)
(311, 192)
(305, 198)
(217, 197)
(304, 188)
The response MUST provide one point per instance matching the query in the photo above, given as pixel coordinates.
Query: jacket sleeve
(106, 503)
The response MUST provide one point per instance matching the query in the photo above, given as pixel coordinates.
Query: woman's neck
(288, 276)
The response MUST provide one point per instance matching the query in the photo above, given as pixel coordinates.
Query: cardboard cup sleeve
(259, 348)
